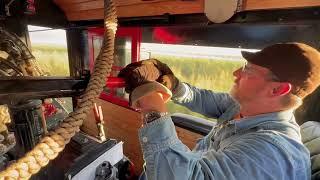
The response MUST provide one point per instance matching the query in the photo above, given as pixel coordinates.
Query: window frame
(134, 33)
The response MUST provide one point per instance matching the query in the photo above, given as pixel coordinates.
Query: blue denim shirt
(266, 146)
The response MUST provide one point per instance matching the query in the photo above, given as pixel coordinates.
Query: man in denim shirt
(256, 136)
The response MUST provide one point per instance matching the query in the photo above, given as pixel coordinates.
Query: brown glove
(138, 73)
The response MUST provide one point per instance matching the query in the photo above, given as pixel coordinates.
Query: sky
(48, 36)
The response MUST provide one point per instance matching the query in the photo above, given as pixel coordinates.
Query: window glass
(202, 66)
(49, 46)
(97, 43)
(122, 54)
(122, 57)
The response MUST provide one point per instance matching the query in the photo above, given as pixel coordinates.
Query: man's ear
(283, 88)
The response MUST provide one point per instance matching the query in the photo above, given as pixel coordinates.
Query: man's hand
(138, 73)
(152, 102)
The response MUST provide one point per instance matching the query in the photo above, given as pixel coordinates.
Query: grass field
(52, 59)
(210, 74)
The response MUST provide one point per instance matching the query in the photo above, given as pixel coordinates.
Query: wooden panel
(153, 9)
(123, 124)
(84, 6)
(76, 5)
(132, 2)
(93, 9)
(188, 138)
(278, 4)
(63, 2)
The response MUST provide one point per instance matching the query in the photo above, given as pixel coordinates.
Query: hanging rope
(55, 141)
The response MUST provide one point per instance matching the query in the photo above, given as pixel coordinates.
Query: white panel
(113, 155)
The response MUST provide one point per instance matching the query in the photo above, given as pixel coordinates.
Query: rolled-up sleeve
(206, 102)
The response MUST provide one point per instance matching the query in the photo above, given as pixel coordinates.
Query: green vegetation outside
(53, 60)
(203, 73)
(211, 74)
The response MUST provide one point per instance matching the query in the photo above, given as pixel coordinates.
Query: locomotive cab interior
(184, 34)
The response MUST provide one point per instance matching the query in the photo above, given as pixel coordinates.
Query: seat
(310, 133)
(192, 123)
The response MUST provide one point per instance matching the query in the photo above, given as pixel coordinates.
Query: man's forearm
(179, 92)
(206, 102)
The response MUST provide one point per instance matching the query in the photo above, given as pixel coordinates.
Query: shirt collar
(253, 121)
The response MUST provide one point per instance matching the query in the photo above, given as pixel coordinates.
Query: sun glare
(194, 51)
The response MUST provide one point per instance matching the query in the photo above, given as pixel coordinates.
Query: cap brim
(248, 55)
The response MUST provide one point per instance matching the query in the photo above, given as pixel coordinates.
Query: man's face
(251, 82)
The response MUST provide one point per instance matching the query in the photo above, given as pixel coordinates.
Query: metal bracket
(7, 8)
(16, 89)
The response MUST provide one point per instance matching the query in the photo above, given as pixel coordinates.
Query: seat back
(310, 133)
(192, 123)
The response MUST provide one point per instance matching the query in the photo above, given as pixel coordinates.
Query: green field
(210, 74)
(53, 60)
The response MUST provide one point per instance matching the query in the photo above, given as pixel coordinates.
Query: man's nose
(237, 73)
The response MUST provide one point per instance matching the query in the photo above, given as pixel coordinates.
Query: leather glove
(141, 72)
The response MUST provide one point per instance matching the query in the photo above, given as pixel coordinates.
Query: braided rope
(4, 118)
(20, 59)
(7, 139)
(55, 141)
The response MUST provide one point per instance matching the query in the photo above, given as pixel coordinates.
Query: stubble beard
(233, 93)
